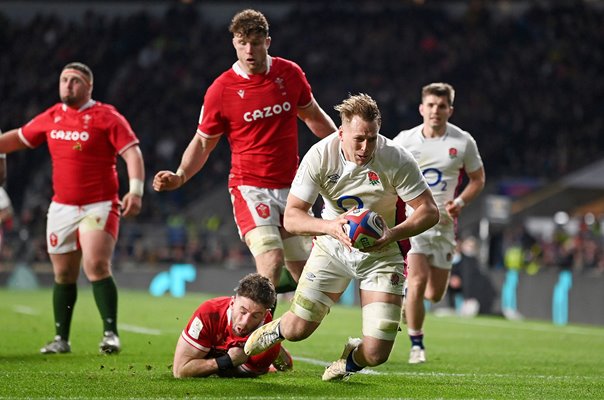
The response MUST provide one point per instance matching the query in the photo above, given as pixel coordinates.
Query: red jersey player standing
(255, 104)
(213, 340)
(84, 137)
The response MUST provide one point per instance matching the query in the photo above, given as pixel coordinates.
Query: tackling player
(255, 105)
(212, 342)
(443, 152)
(355, 167)
(84, 137)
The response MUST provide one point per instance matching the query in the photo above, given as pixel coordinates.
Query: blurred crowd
(528, 89)
(576, 245)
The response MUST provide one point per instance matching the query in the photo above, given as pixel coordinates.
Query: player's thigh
(254, 206)
(321, 284)
(97, 246)
(61, 230)
(98, 231)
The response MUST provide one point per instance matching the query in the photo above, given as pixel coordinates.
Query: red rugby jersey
(83, 146)
(210, 330)
(258, 115)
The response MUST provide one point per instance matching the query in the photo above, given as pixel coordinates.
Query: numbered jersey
(442, 161)
(391, 173)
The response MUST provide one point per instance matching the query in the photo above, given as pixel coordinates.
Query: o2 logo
(348, 202)
(434, 178)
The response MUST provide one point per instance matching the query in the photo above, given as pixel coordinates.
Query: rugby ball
(364, 227)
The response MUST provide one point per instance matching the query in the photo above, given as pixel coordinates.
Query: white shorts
(437, 244)
(254, 206)
(65, 222)
(331, 267)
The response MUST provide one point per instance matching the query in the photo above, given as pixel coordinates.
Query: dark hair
(257, 288)
(439, 89)
(361, 105)
(249, 22)
(83, 68)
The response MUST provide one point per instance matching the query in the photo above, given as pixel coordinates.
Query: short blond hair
(361, 105)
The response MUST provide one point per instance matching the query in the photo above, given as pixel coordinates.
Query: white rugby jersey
(391, 173)
(442, 161)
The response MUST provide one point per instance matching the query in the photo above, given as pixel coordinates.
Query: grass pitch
(480, 358)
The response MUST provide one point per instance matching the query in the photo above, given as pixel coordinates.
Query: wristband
(224, 362)
(137, 187)
(458, 201)
(181, 172)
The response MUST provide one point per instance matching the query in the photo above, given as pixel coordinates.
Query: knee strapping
(311, 307)
(263, 238)
(380, 320)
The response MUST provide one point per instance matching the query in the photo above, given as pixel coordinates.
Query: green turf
(480, 358)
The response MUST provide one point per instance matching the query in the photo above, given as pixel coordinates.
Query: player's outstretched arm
(317, 119)
(10, 142)
(193, 160)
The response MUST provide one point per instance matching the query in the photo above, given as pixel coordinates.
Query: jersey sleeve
(472, 160)
(198, 331)
(121, 134)
(33, 134)
(211, 121)
(306, 184)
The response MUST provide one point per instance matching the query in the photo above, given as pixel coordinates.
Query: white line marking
(525, 326)
(139, 329)
(20, 309)
(367, 371)
(320, 363)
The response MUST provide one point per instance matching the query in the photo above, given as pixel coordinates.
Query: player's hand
(453, 209)
(386, 238)
(131, 205)
(336, 230)
(166, 180)
(237, 355)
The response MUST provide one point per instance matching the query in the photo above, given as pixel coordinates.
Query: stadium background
(528, 89)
